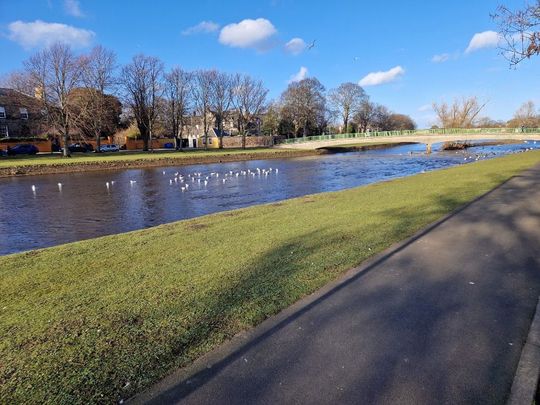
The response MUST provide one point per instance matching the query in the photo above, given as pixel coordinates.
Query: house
(213, 138)
(21, 115)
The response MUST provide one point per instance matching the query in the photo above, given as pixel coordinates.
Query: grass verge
(42, 164)
(99, 320)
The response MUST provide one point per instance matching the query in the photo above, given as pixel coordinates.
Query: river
(47, 210)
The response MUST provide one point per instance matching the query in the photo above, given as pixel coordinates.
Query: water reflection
(135, 199)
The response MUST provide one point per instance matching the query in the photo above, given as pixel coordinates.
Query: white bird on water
(132, 182)
(33, 189)
(107, 185)
(59, 186)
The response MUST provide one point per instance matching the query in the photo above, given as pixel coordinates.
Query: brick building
(21, 115)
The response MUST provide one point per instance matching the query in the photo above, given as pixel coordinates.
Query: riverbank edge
(104, 165)
(361, 148)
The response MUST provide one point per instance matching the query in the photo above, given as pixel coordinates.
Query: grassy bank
(43, 164)
(99, 320)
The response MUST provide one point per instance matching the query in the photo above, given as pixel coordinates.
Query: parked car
(81, 147)
(109, 148)
(22, 149)
(169, 145)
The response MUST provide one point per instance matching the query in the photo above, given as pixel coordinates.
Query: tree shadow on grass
(420, 327)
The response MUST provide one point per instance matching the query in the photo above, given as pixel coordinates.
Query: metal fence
(440, 131)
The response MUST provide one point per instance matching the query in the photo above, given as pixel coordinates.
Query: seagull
(33, 188)
(310, 46)
(59, 186)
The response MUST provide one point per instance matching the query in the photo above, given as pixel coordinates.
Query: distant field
(102, 319)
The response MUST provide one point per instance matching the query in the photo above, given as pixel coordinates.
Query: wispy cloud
(295, 46)
(480, 40)
(300, 75)
(425, 107)
(204, 27)
(248, 33)
(376, 78)
(40, 33)
(73, 8)
(443, 57)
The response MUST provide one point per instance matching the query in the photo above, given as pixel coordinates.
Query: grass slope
(99, 320)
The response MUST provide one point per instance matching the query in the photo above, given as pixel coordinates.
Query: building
(21, 116)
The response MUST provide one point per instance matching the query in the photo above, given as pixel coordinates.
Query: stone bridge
(427, 139)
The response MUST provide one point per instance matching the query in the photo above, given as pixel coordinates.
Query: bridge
(425, 136)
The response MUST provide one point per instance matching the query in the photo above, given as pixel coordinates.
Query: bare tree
(202, 89)
(98, 77)
(142, 81)
(55, 72)
(346, 100)
(20, 81)
(400, 122)
(178, 94)
(365, 115)
(520, 30)
(526, 116)
(249, 99)
(305, 103)
(462, 113)
(221, 92)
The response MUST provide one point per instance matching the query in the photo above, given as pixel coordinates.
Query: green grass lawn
(47, 159)
(99, 320)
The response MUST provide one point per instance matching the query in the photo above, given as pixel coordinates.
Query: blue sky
(352, 40)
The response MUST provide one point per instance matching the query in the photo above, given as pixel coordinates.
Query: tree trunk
(98, 142)
(220, 130)
(67, 153)
(345, 125)
(243, 139)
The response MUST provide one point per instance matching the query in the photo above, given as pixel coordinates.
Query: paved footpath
(439, 319)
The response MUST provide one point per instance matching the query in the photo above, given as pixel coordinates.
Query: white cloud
(486, 39)
(443, 57)
(248, 34)
(300, 75)
(41, 33)
(376, 78)
(425, 107)
(73, 8)
(204, 27)
(295, 46)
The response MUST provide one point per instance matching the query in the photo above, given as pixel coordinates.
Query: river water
(37, 212)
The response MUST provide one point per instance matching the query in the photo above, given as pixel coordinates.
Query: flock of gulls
(479, 156)
(200, 180)
(197, 178)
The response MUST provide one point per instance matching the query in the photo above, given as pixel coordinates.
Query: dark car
(23, 149)
(81, 147)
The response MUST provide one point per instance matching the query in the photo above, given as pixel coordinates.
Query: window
(3, 131)
(2, 112)
(24, 113)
